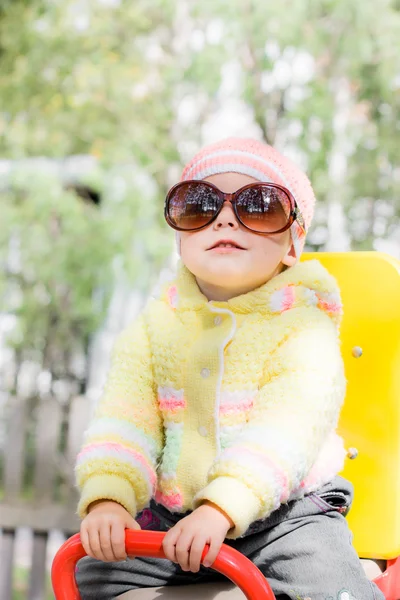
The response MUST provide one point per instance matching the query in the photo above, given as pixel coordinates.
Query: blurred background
(101, 103)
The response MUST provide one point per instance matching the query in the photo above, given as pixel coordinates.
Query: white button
(217, 320)
(203, 431)
(205, 373)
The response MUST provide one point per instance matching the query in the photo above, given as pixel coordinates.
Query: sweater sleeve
(123, 443)
(293, 414)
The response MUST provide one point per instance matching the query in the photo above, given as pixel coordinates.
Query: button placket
(205, 373)
(217, 321)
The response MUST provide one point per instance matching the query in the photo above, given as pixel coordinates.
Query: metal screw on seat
(352, 453)
(357, 352)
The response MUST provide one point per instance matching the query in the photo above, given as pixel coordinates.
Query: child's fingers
(94, 544)
(85, 540)
(132, 524)
(169, 542)
(105, 542)
(118, 540)
(196, 550)
(182, 549)
(215, 547)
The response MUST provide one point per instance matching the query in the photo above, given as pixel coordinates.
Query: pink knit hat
(263, 162)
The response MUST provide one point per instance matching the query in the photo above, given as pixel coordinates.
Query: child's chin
(228, 278)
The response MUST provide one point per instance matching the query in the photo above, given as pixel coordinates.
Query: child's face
(223, 273)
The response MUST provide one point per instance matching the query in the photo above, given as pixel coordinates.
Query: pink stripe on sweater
(173, 502)
(236, 408)
(330, 303)
(172, 295)
(171, 403)
(288, 297)
(330, 307)
(171, 399)
(139, 458)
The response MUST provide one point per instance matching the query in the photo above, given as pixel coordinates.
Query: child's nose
(226, 218)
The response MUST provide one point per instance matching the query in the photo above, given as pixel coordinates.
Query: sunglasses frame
(294, 215)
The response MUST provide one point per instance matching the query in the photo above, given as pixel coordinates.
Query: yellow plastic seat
(370, 420)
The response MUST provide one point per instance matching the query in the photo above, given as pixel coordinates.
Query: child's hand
(103, 530)
(184, 543)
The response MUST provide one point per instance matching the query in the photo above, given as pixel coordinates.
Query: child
(218, 419)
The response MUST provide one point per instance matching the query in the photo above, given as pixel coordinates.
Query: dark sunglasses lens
(192, 206)
(264, 209)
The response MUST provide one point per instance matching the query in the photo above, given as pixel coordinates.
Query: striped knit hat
(262, 162)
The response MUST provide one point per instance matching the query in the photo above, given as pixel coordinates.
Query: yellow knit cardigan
(233, 402)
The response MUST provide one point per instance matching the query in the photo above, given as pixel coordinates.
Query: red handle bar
(229, 562)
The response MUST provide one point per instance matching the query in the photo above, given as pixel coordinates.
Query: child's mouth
(226, 249)
(226, 246)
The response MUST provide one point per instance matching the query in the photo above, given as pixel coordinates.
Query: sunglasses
(265, 208)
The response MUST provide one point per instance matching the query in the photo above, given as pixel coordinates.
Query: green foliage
(108, 79)
(354, 46)
(76, 81)
(62, 256)
(21, 584)
(64, 252)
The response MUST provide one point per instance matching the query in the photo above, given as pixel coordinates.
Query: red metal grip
(229, 562)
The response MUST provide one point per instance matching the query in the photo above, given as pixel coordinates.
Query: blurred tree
(87, 77)
(136, 84)
(62, 253)
(81, 78)
(118, 79)
(323, 79)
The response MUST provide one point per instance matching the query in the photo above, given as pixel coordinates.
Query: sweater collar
(305, 284)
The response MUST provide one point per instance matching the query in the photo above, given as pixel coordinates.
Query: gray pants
(304, 549)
